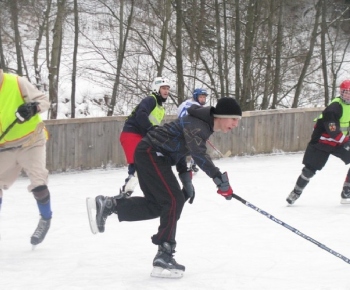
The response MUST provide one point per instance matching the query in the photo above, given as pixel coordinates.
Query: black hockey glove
(26, 111)
(224, 187)
(346, 144)
(188, 189)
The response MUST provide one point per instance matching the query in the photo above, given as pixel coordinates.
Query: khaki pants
(32, 159)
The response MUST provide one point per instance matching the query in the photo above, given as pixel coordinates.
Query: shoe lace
(40, 228)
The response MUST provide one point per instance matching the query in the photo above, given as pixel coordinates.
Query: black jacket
(138, 122)
(186, 136)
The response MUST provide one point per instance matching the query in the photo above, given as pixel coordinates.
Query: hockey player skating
(154, 156)
(147, 114)
(23, 143)
(199, 98)
(330, 137)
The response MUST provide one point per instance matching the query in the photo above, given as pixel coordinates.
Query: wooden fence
(79, 144)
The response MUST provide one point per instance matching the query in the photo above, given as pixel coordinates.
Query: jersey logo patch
(332, 127)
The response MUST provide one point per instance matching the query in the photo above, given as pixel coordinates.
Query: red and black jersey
(328, 132)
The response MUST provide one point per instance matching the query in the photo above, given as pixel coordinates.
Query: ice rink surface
(223, 244)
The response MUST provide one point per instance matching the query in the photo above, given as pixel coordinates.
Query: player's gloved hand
(346, 144)
(26, 111)
(188, 188)
(223, 185)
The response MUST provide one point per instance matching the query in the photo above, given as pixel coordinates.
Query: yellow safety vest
(157, 114)
(345, 118)
(10, 99)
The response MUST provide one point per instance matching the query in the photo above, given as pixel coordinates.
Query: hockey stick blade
(295, 231)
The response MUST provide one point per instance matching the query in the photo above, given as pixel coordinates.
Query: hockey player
(23, 143)
(330, 136)
(154, 156)
(199, 98)
(147, 114)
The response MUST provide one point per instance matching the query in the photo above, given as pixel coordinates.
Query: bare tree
(179, 61)
(75, 53)
(238, 80)
(121, 51)
(55, 58)
(41, 32)
(313, 37)
(2, 57)
(279, 43)
(268, 73)
(17, 38)
(219, 48)
(247, 101)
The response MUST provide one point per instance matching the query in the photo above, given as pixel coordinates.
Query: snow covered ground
(223, 244)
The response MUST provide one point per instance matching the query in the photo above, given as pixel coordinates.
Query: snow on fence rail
(86, 143)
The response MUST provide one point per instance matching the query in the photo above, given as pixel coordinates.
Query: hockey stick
(276, 220)
(8, 129)
(227, 154)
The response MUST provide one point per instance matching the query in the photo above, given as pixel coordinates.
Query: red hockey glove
(223, 185)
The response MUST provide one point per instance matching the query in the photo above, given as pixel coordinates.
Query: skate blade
(159, 272)
(91, 210)
(345, 200)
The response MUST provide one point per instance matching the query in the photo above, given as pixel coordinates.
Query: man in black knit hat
(155, 155)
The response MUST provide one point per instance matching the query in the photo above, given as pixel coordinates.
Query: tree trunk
(247, 100)
(279, 44)
(268, 73)
(2, 57)
(219, 49)
(121, 52)
(55, 58)
(179, 61)
(41, 32)
(238, 80)
(14, 16)
(164, 37)
(75, 53)
(308, 56)
(324, 52)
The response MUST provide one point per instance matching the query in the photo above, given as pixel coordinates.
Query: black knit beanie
(227, 108)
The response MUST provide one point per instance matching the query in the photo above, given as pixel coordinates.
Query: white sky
(223, 244)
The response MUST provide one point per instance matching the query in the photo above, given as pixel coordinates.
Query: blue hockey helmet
(198, 92)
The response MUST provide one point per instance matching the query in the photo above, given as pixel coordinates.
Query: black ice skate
(292, 197)
(40, 231)
(345, 195)
(103, 206)
(164, 265)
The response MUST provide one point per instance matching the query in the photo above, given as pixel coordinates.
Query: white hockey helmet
(159, 82)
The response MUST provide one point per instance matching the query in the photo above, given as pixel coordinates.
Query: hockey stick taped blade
(159, 272)
(91, 210)
(228, 153)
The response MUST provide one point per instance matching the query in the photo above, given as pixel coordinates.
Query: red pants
(129, 142)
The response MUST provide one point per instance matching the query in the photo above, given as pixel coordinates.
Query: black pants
(315, 158)
(163, 196)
